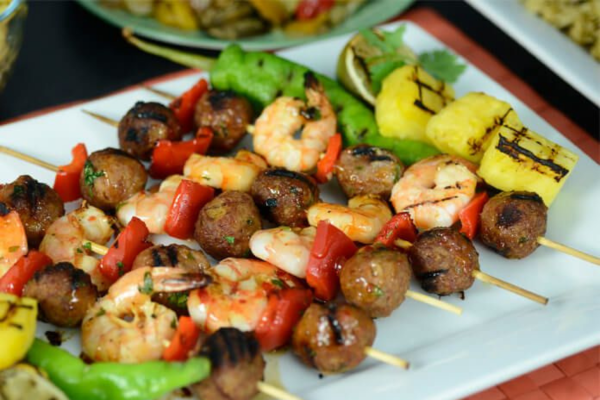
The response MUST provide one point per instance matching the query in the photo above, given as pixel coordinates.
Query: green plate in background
(371, 13)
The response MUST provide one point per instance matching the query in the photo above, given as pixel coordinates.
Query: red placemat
(576, 377)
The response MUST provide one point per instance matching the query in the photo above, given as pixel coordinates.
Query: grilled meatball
(284, 196)
(38, 205)
(227, 114)
(225, 224)
(236, 365)
(376, 279)
(332, 338)
(111, 176)
(443, 259)
(511, 222)
(144, 125)
(364, 169)
(64, 294)
(173, 255)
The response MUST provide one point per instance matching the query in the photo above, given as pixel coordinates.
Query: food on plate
(580, 20)
(17, 327)
(466, 127)
(13, 240)
(226, 223)
(25, 382)
(520, 159)
(283, 196)
(409, 97)
(511, 223)
(362, 169)
(172, 255)
(37, 204)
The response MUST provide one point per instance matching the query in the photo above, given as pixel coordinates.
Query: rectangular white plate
(552, 47)
(499, 336)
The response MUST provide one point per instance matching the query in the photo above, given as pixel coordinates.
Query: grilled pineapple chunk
(520, 159)
(409, 97)
(17, 327)
(467, 126)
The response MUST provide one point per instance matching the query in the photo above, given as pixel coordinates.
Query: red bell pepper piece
(120, 256)
(284, 309)
(400, 226)
(184, 341)
(309, 9)
(189, 199)
(14, 280)
(66, 181)
(168, 158)
(331, 247)
(184, 106)
(470, 215)
(326, 164)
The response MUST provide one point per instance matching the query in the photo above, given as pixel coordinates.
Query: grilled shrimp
(361, 220)
(225, 173)
(126, 325)
(278, 124)
(286, 248)
(238, 295)
(435, 189)
(64, 240)
(13, 240)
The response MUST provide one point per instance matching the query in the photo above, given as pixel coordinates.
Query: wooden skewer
(102, 118)
(386, 358)
(275, 392)
(28, 159)
(160, 92)
(568, 250)
(434, 302)
(96, 248)
(482, 276)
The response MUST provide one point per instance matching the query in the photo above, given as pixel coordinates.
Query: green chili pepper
(114, 381)
(262, 77)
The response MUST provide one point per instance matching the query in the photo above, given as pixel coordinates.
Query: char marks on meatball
(511, 222)
(364, 169)
(332, 338)
(37, 204)
(144, 125)
(284, 196)
(237, 366)
(443, 260)
(111, 176)
(226, 223)
(64, 294)
(227, 114)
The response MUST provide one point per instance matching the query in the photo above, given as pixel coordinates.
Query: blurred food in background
(233, 19)
(12, 18)
(579, 19)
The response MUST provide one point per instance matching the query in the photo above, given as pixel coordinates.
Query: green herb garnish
(178, 300)
(12, 249)
(148, 287)
(90, 174)
(87, 246)
(229, 239)
(378, 291)
(443, 65)
(121, 266)
(278, 283)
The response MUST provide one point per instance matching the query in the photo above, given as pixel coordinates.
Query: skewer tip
(275, 392)
(387, 358)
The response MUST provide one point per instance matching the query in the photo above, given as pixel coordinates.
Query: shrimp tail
(311, 82)
(187, 281)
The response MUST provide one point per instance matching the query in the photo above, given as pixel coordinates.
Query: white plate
(555, 49)
(499, 336)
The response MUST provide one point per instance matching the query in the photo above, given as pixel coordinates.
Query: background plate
(371, 13)
(555, 49)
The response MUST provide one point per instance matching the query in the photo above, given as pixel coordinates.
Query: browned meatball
(64, 294)
(364, 169)
(225, 224)
(227, 114)
(511, 222)
(144, 125)
(38, 206)
(111, 176)
(444, 259)
(376, 279)
(236, 365)
(332, 338)
(284, 196)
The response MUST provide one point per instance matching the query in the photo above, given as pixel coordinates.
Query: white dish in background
(499, 336)
(551, 46)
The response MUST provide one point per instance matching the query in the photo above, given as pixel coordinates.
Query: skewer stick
(434, 302)
(96, 248)
(568, 250)
(28, 159)
(275, 392)
(160, 92)
(386, 358)
(102, 118)
(482, 276)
